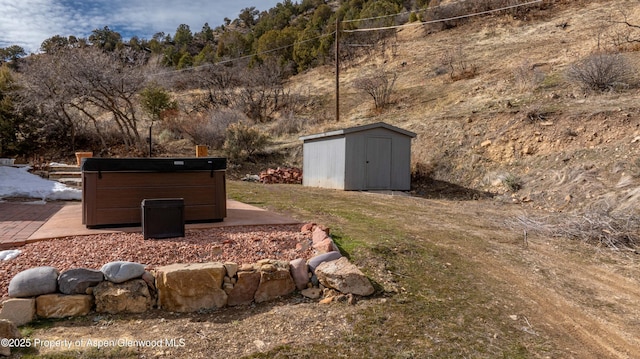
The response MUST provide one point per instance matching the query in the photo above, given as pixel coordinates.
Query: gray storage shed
(370, 157)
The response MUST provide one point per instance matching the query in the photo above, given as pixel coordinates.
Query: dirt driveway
(584, 299)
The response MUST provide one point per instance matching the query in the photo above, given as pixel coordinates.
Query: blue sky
(28, 23)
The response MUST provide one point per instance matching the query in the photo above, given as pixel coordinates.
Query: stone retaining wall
(126, 287)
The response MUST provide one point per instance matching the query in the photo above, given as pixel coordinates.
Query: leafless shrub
(512, 182)
(535, 113)
(379, 85)
(287, 124)
(459, 67)
(614, 231)
(298, 99)
(600, 72)
(208, 128)
(243, 142)
(527, 76)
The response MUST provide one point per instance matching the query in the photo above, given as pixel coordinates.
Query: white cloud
(24, 23)
(28, 23)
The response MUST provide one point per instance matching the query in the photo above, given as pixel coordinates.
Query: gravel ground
(231, 244)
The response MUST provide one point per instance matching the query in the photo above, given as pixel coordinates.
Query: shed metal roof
(358, 129)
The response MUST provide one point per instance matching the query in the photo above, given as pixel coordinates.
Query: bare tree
(256, 91)
(262, 92)
(379, 85)
(43, 94)
(220, 82)
(83, 85)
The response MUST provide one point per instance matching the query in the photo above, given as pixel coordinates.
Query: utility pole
(337, 70)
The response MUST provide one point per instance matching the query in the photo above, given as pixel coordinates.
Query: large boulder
(191, 287)
(20, 311)
(344, 277)
(33, 282)
(245, 288)
(8, 330)
(77, 280)
(62, 306)
(128, 297)
(275, 280)
(325, 257)
(121, 271)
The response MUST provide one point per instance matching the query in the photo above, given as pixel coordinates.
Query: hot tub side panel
(114, 198)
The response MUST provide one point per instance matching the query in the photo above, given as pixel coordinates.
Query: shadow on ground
(435, 189)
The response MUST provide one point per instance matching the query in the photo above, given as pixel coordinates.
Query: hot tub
(114, 188)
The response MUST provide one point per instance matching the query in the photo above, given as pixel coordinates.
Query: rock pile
(127, 287)
(290, 175)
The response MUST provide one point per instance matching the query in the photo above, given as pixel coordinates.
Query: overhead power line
(442, 20)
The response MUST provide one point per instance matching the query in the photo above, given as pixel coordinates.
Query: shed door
(378, 163)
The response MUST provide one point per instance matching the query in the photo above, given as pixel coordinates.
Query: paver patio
(25, 222)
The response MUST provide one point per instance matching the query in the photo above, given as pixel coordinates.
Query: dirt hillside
(518, 117)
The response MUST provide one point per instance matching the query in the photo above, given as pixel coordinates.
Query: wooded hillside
(104, 92)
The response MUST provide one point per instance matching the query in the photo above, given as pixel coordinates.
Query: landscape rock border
(127, 287)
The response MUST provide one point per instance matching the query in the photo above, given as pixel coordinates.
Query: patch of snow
(18, 182)
(9, 254)
(59, 164)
